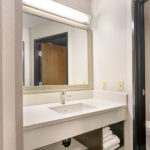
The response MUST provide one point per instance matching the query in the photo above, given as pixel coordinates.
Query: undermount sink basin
(80, 107)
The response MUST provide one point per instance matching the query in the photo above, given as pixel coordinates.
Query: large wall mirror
(55, 55)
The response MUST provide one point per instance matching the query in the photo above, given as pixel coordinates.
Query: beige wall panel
(147, 57)
(10, 74)
(1, 102)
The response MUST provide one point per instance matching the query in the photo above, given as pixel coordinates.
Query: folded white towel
(114, 147)
(106, 139)
(114, 141)
(107, 134)
(106, 129)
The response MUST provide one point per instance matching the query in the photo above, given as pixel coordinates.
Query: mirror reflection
(53, 53)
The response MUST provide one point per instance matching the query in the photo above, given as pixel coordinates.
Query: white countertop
(41, 115)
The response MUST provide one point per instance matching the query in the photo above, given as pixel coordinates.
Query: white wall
(147, 57)
(78, 67)
(26, 39)
(112, 43)
(82, 5)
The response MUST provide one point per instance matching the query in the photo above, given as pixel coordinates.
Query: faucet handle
(65, 93)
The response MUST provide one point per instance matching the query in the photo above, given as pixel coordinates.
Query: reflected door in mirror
(54, 65)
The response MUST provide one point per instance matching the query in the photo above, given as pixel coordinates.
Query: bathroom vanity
(51, 123)
(57, 56)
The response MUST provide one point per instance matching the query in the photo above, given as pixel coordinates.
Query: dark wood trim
(67, 58)
(36, 64)
(139, 130)
(37, 58)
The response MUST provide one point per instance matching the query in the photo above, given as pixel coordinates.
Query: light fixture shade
(59, 9)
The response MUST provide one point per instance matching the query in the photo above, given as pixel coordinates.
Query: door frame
(139, 115)
(37, 58)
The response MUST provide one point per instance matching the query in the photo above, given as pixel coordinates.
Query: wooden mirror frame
(57, 88)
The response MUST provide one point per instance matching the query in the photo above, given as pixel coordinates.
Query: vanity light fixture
(59, 10)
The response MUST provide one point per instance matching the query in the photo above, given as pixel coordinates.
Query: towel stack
(110, 141)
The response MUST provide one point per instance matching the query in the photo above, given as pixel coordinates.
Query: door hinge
(40, 83)
(143, 92)
(40, 53)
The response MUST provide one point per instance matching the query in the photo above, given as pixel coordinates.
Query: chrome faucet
(63, 95)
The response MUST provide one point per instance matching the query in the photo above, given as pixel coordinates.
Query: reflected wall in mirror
(53, 53)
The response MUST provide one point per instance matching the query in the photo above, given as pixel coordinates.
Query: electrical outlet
(120, 86)
(104, 85)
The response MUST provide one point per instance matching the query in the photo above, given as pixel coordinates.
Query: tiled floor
(148, 143)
